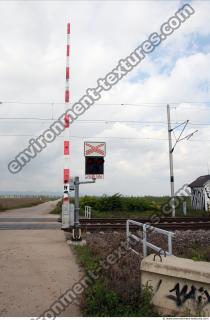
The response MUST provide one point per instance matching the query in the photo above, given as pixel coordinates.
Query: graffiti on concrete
(200, 295)
(203, 295)
(181, 295)
(159, 284)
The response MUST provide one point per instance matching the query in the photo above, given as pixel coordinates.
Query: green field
(15, 203)
(118, 206)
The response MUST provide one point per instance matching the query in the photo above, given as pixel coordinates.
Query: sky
(32, 77)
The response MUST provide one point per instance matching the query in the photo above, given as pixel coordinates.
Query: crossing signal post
(94, 159)
(94, 169)
(94, 165)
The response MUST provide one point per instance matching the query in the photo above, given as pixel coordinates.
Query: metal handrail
(88, 212)
(144, 241)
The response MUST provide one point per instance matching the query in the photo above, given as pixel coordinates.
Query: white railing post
(145, 240)
(87, 212)
(184, 208)
(169, 244)
(127, 232)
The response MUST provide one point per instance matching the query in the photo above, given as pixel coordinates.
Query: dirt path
(36, 267)
(41, 210)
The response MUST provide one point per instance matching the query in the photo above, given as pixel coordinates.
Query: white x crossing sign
(94, 149)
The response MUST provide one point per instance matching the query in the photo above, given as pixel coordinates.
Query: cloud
(32, 65)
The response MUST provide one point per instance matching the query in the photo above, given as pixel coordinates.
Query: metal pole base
(76, 234)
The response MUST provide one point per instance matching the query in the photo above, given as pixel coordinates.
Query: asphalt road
(36, 266)
(32, 218)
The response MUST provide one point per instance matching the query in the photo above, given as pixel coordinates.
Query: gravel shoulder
(36, 267)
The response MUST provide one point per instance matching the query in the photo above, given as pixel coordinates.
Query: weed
(57, 209)
(15, 203)
(101, 298)
(85, 258)
(118, 206)
(198, 253)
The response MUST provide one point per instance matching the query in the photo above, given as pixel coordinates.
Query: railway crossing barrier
(88, 212)
(144, 241)
(71, 212)
(68, 210)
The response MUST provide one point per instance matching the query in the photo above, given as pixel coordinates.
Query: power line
(101, 121)
(95, 104)
(139, 104)
(84, 137)
(101, 137)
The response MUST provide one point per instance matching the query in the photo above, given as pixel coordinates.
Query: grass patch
(198, 253)
(101, 300)
(122, 214)
(15, 203)
(142, 214)
(85, 258)
(57, 209)
(118, 206)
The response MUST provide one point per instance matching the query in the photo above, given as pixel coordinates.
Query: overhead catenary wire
(101, 121)
(107, 103)
(155, 104)
(104, 137)
(105, 121)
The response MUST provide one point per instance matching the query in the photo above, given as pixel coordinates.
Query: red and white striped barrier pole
(66, 146)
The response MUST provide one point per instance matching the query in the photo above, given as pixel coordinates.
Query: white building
(200, 193)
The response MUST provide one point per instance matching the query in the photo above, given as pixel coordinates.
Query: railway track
(146, 219)
(177, 223)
